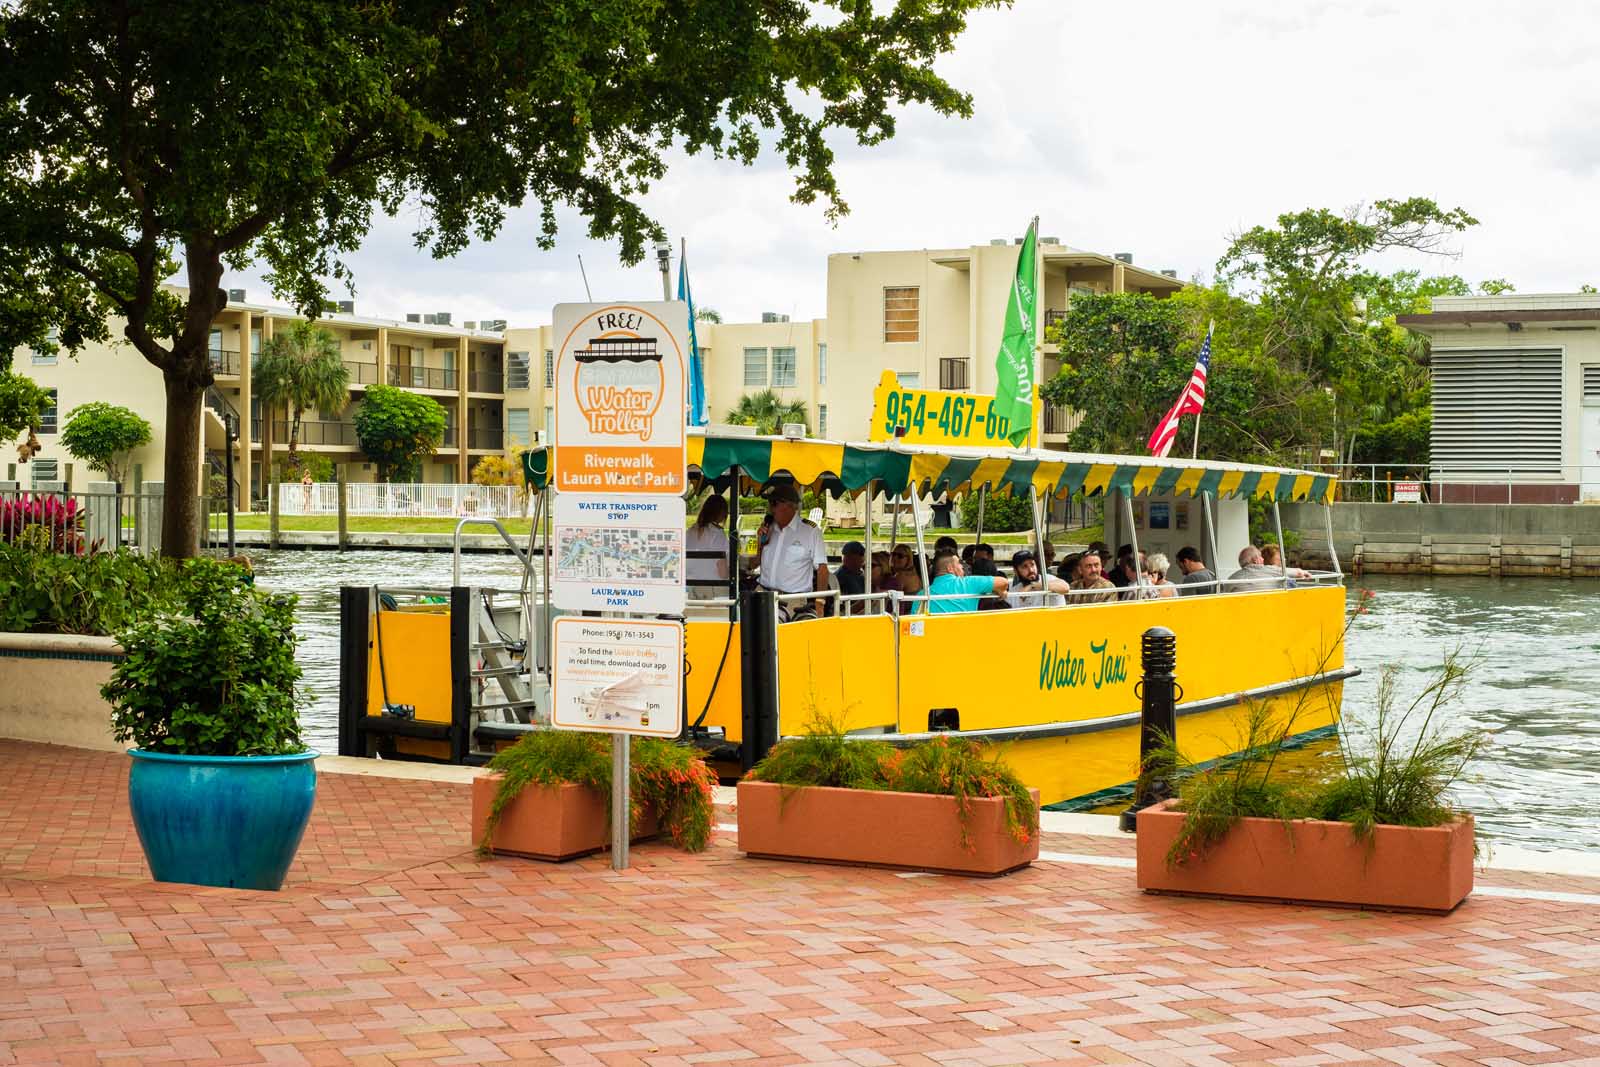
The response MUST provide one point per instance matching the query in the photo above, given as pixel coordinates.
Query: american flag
(1190, 402)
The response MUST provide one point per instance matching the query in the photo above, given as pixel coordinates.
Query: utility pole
(664, 260)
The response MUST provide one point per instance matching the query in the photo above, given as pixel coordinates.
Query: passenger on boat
(1156, 586)
(1068, 571)
(950, 578)
(1195, 573)
(852, 576)
(882, 572)
(944, 542)
(983, 551)
(1091, 586)
(1029, 579)
(983, 568)
(707, 535)
(1126, 571)
(1272, 557)
(793, 559)
(1253, 575)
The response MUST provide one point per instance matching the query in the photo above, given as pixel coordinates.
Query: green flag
(1013, 367)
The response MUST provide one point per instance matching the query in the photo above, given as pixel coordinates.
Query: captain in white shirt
(793, 559)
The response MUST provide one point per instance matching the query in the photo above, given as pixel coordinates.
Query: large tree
(300, 368)
(398, 429)
(133, 135)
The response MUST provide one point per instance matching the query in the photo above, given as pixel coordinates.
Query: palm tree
(300, 367)
(711, 315)
(768, 412)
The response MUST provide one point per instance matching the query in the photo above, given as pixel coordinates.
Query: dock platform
(391, 944)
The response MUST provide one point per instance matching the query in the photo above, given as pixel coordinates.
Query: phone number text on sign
(618, 676)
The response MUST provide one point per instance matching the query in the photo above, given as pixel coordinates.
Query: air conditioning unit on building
(469, 325)
(773, 316)
(494, 325)
(441, 318)
(413, 317)
(347, 307)
(235, 296)
(1169, 272)
(1125, 257)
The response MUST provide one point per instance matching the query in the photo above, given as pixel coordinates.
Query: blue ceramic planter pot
(221, 820)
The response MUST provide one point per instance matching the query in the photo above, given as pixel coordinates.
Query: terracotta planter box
(910, 831)
(548, 822)
(1402, 868)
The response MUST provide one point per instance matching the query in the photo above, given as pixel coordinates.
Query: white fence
(377, 498)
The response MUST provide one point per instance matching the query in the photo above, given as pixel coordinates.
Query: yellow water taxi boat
(1058, 685)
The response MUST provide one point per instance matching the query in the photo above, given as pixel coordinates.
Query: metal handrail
(455, 564)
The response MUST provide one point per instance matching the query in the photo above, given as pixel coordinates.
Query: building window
(47, 417)
(549, 368)
(755, 366)
(902, 314)
(46, 470)
(517, 370)
(822, 364)
(953, 373)
(822, 421)
(549, 425)
(517, 427)
(46, 359)
(908, 379)
(783, 368)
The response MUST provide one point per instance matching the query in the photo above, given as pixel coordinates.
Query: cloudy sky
(1157, 128)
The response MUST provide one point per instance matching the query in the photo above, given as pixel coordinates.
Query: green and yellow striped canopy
(850, 468)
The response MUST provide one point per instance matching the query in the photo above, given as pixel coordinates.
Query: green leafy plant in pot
(221, 786)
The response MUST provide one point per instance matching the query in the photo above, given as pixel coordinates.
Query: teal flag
(1013, 367)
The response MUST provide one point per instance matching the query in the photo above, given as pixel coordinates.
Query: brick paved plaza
(391, 944)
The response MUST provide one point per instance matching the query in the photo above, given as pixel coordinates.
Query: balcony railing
(486, 440)
(486, 381)
(1060, 419)
(423, 377)
(224, 362)
(336, 434)
(362, 373)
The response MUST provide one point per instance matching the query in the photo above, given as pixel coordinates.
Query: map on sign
(618, 553)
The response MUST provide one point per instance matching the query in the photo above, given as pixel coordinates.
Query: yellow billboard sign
(935, 417)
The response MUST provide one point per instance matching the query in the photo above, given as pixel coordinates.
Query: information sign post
(620, 472)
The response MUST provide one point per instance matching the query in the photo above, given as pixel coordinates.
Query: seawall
(1548, 540)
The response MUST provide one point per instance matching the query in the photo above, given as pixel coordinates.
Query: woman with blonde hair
(1155, 573)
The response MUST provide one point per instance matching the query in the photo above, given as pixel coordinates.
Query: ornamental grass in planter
(950, 805)
(221, 786)
(1379, 831)
(549, 795)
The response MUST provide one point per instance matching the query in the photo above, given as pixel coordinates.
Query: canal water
(1535, 684)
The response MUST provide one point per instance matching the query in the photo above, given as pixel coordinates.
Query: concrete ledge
(52, 686)
(61, 644)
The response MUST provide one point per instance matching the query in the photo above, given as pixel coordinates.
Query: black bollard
(758, 640)
(1158, 721)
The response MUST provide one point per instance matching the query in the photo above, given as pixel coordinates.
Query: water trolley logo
(620, 403)
(620, 382)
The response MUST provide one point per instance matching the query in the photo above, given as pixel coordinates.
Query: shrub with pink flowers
(47, 522)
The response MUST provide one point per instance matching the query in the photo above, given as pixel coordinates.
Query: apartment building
(462, 368)
(932, 316)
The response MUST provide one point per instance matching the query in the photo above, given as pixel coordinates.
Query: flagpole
(1036, 432)
(1194, 452)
